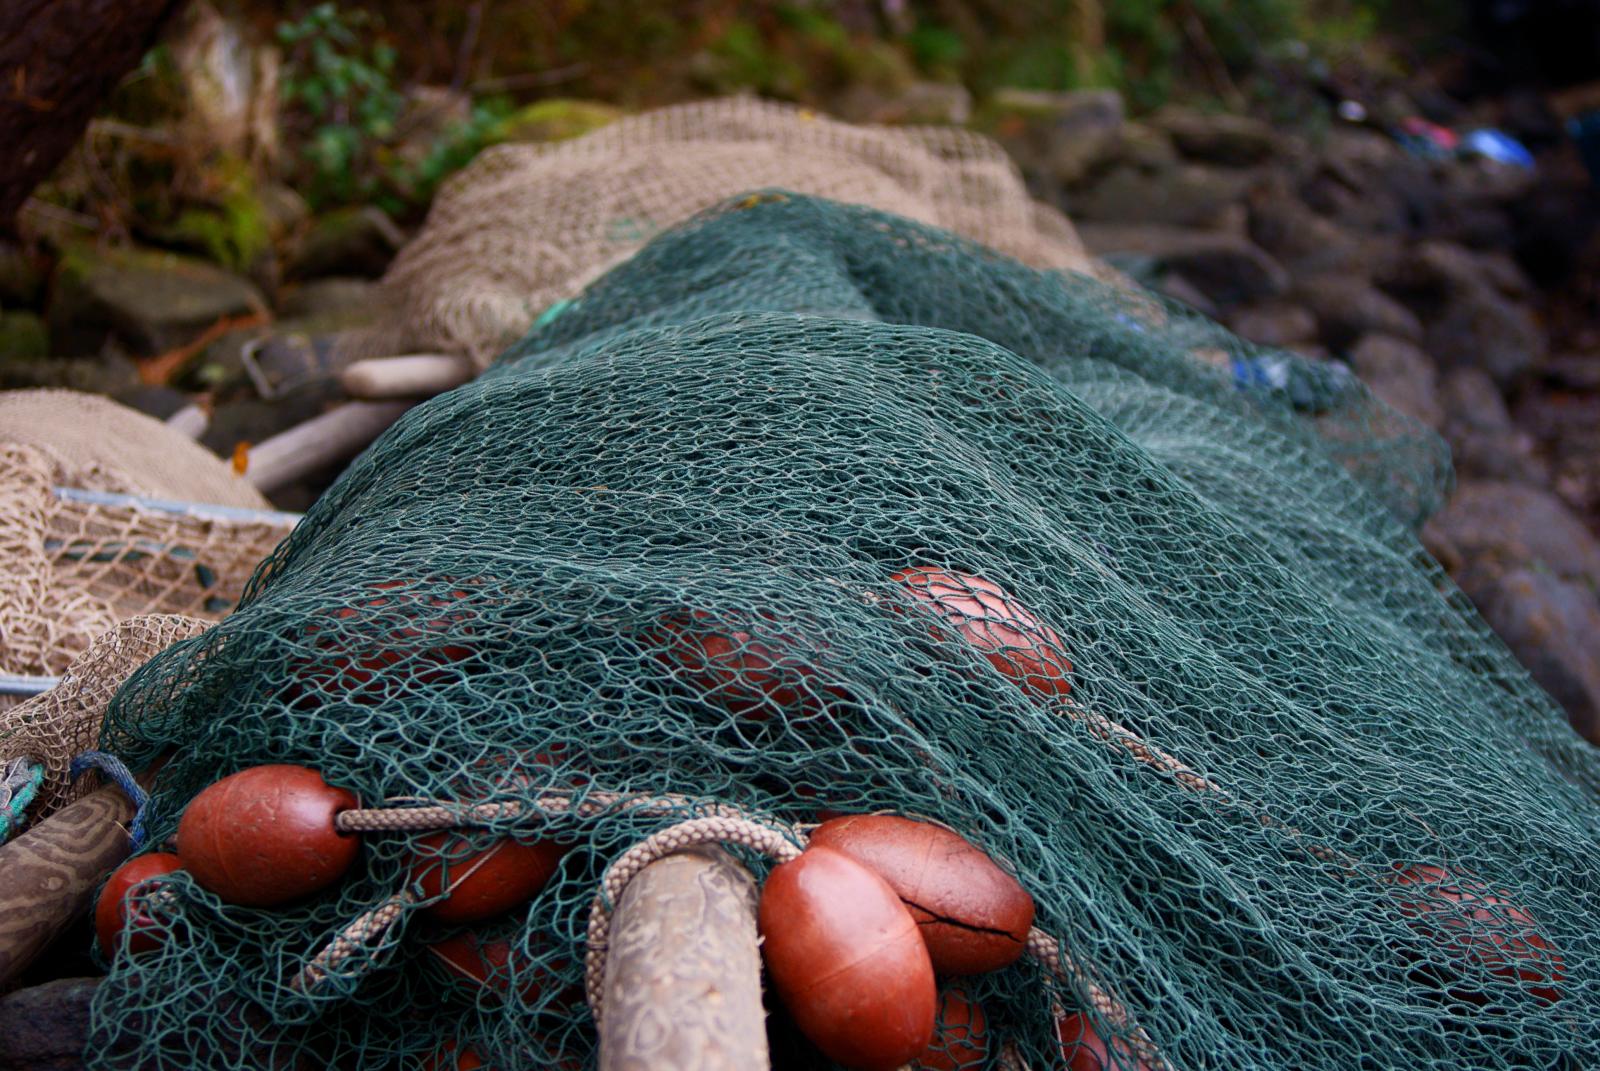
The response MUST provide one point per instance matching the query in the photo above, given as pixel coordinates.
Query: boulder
(946, 103)
(1144, 147)
(1347, 308)
(1484, 443)
(1234, 140)
(1551, 624)
(105, 373)
(359, 241)
(1060, 136)
(1491, 527)
(1184, 196)
(1575, 371)
(1274, 323)
(1478, 327)
(1226, 268)
(1304, 241)
(332, 304)
(154, 300)
(556, 119)
(1401, 375)
(1181, 290)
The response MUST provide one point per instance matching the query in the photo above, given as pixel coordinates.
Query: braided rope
(350, 940)
(1050, 954)
(405, 817)
(776, 843)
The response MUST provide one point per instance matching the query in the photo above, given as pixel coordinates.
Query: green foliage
(344, 89)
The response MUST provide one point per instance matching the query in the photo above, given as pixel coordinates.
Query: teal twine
(19, 786)
(113, 768)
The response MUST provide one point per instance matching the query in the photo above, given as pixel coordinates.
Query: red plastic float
(961, 1038)
(1084, 1049)
(973, 915)
(486, 883)
(110, 912)
(265, 836)
(1476, 925)
(848, 961)
(745, 676)
(1010, 635)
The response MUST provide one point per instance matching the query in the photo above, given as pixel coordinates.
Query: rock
(1480, 328)
(22, 336)
(103, 374)
(20, 279)
(1491, 527)
(159, 402)
(555, 120)
(945, 103)
(1061, 136)
(1179, 289)
(1185, 196)
(1401, 375)
(1551, 624)
(1576, 371)
(1274, 323)
(284, 211)
(1145, 148)
(154, 300)
(357, 241)
(1304, 241)
(332, 304)
(1234, 140)
(1484, 444)
(1347, 308)
(46, 1027)
(430, 116)
(1226, 268)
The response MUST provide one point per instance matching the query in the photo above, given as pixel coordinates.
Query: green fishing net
(748, 430)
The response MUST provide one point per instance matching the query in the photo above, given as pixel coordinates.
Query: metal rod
(200, 511)
(23, 684)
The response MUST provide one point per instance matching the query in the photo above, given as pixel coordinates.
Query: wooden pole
(334, 436)
(46, 1027)
(682, 985)
(48, 873)
(417, 375)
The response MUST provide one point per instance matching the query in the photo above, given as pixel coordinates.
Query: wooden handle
(683, 970)
(48, 873)
(417, 375)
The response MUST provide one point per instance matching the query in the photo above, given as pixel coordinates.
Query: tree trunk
(58, 61)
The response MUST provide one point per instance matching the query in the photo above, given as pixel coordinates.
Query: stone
(1146, 148)
(1551, 624)
(1184, 196)
(332, 304)
(154, 300)
(1401, 375)
(359, 241)
(1179, 289)
(1304, 241)
(159, 402)
(1484, 443)
(1490, 527)
(1228, 269)
(1575, 371)
(430, 116)
(46, 1027)
(21, 282)
(945, 103)
(22, 335)
(1347, 308)
(1480, 328)
(1274, 323)
(1062, 136)
(106, 373)
(1234, 140)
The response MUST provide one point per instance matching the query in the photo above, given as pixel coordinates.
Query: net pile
(747, 431)
(526, 226)
(73, 567)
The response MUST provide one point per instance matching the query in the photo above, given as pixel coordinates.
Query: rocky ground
(1461, 291)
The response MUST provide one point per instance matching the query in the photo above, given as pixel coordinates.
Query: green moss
(22, 336)
(555, 120)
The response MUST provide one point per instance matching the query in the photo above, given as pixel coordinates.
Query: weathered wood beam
(683, 970)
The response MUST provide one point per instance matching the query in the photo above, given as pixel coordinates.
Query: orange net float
(973, 916)
(1479, 928)
(468, 886)
(847, 960)
(1012, 637)
(111, 911)
(746, 676)
(266, 836)
(1083, 1049)
(961, 1038)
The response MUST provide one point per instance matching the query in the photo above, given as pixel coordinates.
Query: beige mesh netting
(525, 226)
(72, 567)
(51, 728)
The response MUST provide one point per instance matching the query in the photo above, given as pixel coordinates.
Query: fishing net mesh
(72, 568)
(743, 435)
(526, 226)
